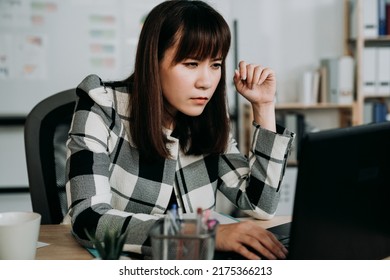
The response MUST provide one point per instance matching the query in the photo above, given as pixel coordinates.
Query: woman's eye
(217, 65)
(191, 64)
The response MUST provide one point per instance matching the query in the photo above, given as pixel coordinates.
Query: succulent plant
(111, 245)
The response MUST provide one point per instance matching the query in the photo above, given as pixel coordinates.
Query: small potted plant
(111, 245)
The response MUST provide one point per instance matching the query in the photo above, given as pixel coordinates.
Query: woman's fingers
(245, 252)
(247, 238)
(267, 245)
(273, 245)
(249, 73)
(260, 248)
(252, 74)
(242, 70)
(266, 74)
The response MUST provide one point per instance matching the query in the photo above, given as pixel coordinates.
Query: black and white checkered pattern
(110, 186)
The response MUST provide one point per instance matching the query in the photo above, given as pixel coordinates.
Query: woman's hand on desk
(238, 237)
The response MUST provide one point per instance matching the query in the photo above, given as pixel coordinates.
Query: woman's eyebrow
(212, 59)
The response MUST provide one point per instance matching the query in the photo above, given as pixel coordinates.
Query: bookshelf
(345, 113)
(356, 45)
(318, 106)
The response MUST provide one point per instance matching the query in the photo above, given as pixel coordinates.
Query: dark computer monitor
(342, 199)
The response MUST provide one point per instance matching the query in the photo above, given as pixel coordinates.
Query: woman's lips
(200, 100)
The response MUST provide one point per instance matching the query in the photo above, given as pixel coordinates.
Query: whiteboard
(50, 46)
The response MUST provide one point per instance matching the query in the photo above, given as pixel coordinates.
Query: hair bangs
(202, 37)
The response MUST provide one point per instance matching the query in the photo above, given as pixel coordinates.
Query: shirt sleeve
(253, 183)
(88, 171)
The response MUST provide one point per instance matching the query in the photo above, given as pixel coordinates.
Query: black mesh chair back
(45, 135)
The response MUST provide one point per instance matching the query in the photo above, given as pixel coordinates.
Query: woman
(161, 137)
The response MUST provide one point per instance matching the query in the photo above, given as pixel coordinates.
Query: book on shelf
(339, 73)
(370, 18)
(342, 89)
(375, 17)
(380, 112)
(388, 18)
(368, 109)
(369, 70)
(376, 71)
(323, 92)
(383, 70)
(310, 87)
(375, 111)
(382, 28)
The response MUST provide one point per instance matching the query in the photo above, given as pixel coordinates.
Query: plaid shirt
(108, 186)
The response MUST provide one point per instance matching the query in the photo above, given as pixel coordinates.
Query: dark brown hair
(199, 32)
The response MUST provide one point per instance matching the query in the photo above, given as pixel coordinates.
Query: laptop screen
(342, 199)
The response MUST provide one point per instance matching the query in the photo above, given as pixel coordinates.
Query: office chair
(45, 134)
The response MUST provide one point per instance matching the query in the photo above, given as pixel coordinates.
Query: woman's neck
(169, 117)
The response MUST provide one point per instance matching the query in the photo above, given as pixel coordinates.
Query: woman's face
(189, 85)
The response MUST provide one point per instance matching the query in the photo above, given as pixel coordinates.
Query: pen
(180, 213)
(211, 224)
(198, 220)
(206, 217)
(174, 219)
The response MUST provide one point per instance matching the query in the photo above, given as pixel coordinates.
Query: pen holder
(186, 244)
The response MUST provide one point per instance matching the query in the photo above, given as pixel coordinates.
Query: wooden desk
(63, 246)
(277, 220)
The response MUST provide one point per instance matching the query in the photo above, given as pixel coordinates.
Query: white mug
(19, 233)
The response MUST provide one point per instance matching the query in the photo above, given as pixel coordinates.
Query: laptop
(342, 200)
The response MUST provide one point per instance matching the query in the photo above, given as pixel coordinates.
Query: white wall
(15, 202)
(13, 170)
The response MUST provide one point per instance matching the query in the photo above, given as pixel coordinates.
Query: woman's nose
(204, 79)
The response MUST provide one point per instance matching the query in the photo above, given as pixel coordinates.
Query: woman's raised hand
(256, 83)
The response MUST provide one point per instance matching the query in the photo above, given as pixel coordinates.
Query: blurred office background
(49, 46)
